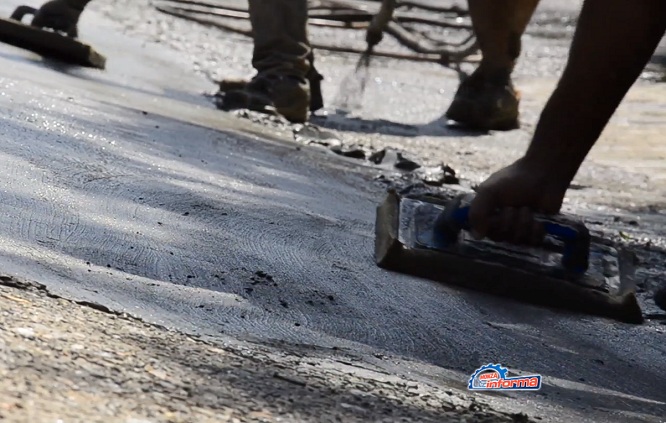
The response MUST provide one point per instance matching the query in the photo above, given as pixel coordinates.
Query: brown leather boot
(282, 57)
(288, 96)
(486, 102)
(487, 99)
(314, 80)
(59, 15)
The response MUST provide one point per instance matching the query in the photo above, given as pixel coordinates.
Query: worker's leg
(487, 99)
(282, 58)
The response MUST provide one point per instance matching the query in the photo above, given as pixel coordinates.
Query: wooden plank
(50, 44)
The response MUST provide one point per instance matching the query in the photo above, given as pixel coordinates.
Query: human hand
(504, 206)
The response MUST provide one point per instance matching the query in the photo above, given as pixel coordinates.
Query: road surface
(126, 188)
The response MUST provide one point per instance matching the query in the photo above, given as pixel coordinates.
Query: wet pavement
(128, 189)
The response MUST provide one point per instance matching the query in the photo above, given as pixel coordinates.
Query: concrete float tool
(48, 44)
(428, 236)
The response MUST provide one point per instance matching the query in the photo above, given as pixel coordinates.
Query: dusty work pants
(280, 37)
(281, 44)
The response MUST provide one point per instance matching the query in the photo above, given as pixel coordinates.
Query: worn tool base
(403, 243)
(50, 44)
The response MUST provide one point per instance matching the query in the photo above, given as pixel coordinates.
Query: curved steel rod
(348, 14)
(454, 10)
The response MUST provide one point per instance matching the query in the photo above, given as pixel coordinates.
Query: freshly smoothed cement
(126, 188)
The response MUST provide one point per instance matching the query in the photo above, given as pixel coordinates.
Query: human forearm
(613, 42)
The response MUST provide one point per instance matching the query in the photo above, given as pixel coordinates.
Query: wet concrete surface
(128, 189)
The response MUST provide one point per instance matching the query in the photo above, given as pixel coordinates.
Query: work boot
(232, 84)
(314, 81)
(286, 95)
(60, 16)
(283, 59)
(486, 102)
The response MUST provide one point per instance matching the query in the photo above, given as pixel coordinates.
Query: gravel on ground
(66, 362)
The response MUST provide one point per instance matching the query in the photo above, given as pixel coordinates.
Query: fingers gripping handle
(572, 233)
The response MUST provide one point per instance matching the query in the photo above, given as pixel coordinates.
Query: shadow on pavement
(436, 128)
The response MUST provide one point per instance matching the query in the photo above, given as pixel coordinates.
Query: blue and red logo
(494, 377)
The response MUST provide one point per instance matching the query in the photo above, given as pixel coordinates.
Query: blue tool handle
(573, 233)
